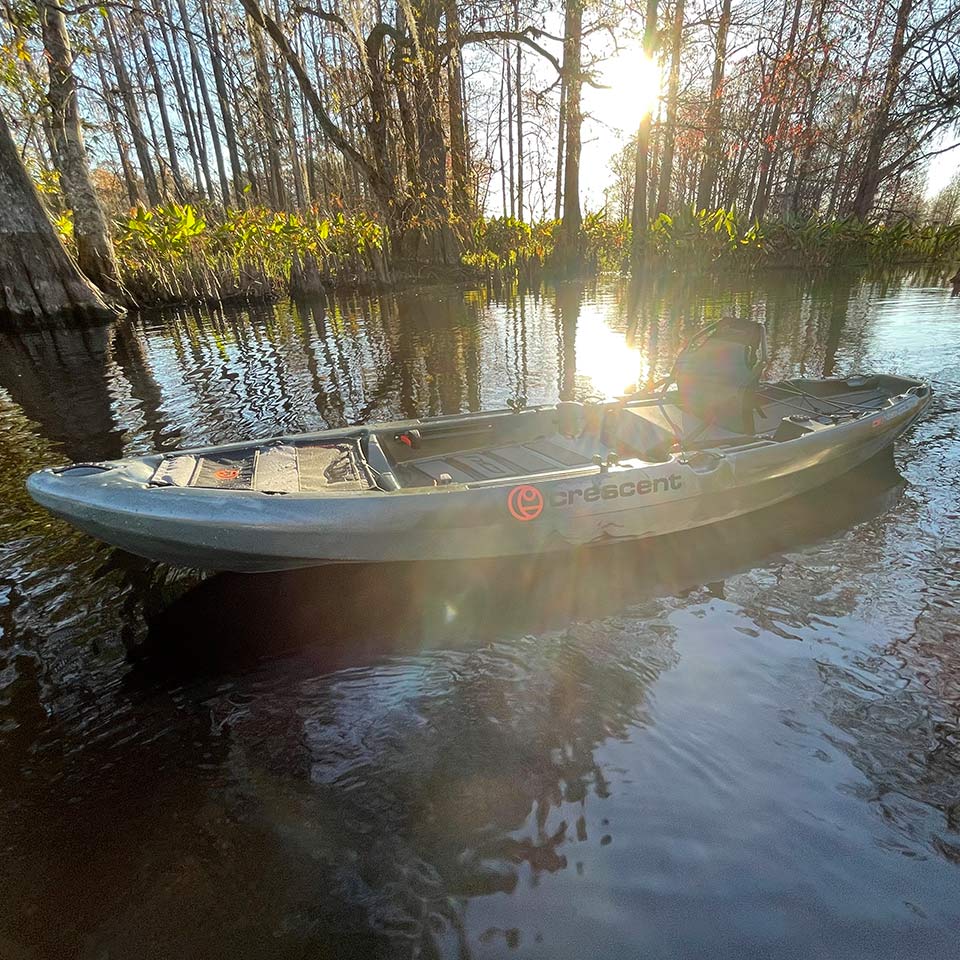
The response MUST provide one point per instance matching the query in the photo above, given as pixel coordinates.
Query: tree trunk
(516, 26)
(503, 163)
(853, 112)
(38, 280)
(561, 131)
(229, 131)
(155, 152)
(711, 143)
(276, 189)
(638, 217)
(379, 128)
(201, 173)
(90, 230)
(872, 174)
(462, 205)
(569, 240)
(797, 205)
(123, 150)
(140, 142)
(771, 143)
(673, 92)
(509, 94)
(200, 74)
(299, 188)
(158, 92)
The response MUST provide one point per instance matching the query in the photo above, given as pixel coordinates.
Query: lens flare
(633, 81)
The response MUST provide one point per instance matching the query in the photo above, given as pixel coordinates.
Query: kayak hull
(251, 531)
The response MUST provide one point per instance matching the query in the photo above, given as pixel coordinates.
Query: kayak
(705, 445)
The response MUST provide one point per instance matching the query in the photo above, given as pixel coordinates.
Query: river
(743, 742)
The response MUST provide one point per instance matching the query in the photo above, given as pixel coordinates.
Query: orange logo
(227, 474)
(525, 502)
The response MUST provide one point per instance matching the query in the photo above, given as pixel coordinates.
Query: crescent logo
(525, 502)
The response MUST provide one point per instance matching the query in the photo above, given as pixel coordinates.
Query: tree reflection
(61, 379)
(567, 298)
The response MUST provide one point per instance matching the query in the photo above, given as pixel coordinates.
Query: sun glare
(633, 81)
(604, 359)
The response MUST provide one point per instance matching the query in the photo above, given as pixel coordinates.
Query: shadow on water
(353, 614)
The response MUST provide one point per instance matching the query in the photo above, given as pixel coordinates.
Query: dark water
(742, 742)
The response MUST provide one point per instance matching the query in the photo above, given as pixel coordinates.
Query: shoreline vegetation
(176, 151)
(176, 254)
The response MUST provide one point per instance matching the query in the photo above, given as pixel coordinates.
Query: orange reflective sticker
(227, 474)
(525, 502)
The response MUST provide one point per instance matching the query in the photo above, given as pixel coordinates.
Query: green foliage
(702, 240)
(507, 245)
(719, 238)
(606, 242)
(63, 224)
(181, 252)
(711, 236)
(178, 252)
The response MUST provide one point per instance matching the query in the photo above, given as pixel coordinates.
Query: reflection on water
(741, 741)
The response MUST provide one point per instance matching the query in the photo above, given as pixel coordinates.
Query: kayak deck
(541, 455)
(503, 445)
(555, 439)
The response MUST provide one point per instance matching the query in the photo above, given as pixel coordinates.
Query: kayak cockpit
(650, 429)
(504, 445)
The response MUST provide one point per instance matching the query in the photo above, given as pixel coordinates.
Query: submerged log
(39, 282)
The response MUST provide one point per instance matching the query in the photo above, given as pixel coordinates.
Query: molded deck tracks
(544, 455)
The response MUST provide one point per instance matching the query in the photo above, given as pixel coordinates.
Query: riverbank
(177, 254)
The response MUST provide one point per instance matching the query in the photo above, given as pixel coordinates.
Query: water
(740, 742)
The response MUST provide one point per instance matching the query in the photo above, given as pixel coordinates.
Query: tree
(141, 144)
(91, 233)
(712, 137)
(673, 92)
(569, 240)
(639, 217)
(38, 280)
(945, 206)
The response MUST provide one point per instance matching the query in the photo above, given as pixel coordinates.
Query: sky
(943, 167)
(615, 114)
